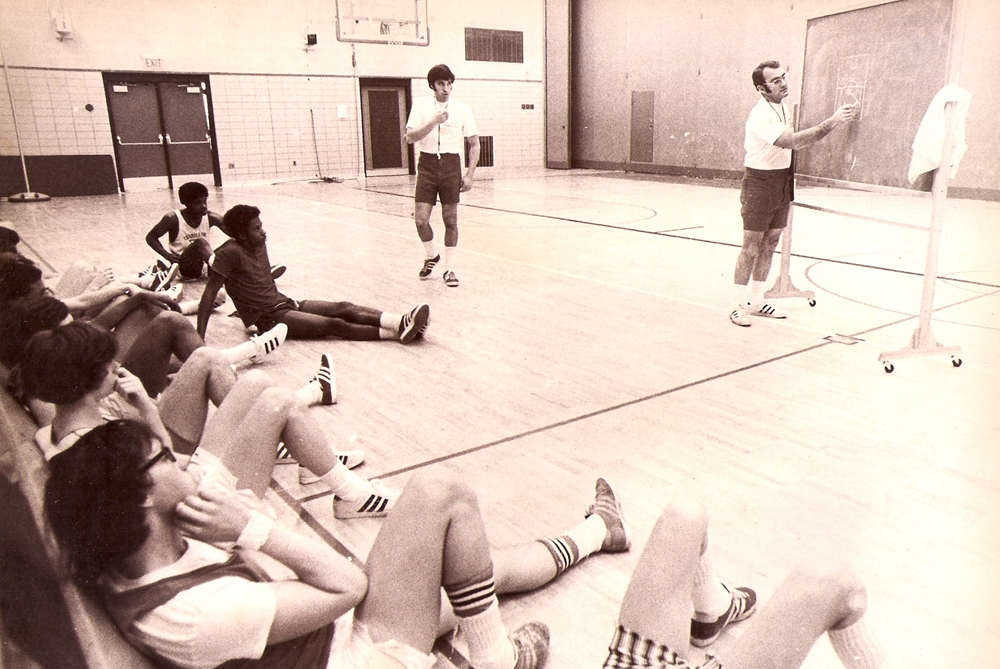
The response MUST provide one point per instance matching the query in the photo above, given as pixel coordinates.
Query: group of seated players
(160, 448)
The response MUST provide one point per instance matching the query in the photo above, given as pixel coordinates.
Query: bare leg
(169, 333)
(749, 254)
(353, 322)
(765, 255)
(449, 214)
(245, 431)
(809, 602)
(434, 536)
(422, 219)
(657, 603)
(75, 280)
(205, 377)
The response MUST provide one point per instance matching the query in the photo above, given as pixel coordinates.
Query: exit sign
(153, 62)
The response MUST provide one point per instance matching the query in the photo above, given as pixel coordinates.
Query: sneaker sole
(418, 323)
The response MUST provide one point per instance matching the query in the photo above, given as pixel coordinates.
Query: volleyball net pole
(922, 342)
(783, 286)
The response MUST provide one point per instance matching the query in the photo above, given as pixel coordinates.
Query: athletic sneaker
(327, 381)
(349, 459)
(741, 607)
(425, 271)
(164, 278)
(531, 644)
(146, 277)
(765, 310)
(450, 279)
(375, 505)
(413, 323)
(220, 298)
(283, 456)
(739, 315)
(277, 271)
(174, 292)
(267, 342)
(609, 508)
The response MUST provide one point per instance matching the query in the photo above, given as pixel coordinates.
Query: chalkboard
(891, 60)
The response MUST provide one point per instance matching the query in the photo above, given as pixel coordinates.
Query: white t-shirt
(449, 136)
(204, 626)
(766, 123)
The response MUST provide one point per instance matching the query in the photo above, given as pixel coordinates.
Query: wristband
(255, 534)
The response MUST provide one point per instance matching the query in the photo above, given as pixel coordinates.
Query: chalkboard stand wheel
(922, 342)
(784, 287)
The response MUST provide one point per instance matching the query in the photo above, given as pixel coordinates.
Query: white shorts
(353, 648)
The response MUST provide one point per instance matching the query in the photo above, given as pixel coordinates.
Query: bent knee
(839, 583)
(442, 490)
(683, 512)
(255, 378)
(206, 357)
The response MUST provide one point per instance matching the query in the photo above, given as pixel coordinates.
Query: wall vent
(497, 46)
(485, 151)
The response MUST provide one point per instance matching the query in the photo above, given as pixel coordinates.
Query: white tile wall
(265, 130)
(51, 114)
(263, 122)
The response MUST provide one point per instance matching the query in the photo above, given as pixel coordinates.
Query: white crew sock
(240, 352)
(430, 250)
(345, 484)
(710, 598)
(449, 257)
(860, 646)
(489, 646)
(588, 535)
(755, 294)
(311, 393)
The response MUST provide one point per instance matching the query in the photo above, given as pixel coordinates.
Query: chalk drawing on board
(852, 80)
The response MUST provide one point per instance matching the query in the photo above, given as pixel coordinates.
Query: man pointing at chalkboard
(767, 185)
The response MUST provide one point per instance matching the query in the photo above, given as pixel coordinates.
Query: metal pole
(27, 196)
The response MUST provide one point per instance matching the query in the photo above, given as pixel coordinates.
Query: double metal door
(162, 130)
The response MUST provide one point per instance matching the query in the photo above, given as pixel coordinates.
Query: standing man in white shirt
(767, 184)
(438, 126)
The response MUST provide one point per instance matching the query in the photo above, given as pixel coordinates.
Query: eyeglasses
(164, 452)
(778, 80)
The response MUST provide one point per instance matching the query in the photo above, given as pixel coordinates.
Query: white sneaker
(375, 505)
(174, 292)
(739, 315)
(765, 310)
(267, 342)
(349, 459)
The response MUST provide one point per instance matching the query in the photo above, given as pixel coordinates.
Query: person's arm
(473, 162)
(168, 225)
(207, 304)
(416, 134)
(110, 317)
(130, 387)
(96, 298)
(803, 138)
(214, 220)
(329, 585)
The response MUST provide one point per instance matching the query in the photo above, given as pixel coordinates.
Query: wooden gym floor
(590, 337)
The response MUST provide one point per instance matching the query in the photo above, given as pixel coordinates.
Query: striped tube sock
(860, 646)
(475, 603)
(565, 552)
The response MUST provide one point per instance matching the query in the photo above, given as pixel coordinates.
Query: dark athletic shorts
(766, 196)
(272, 318)
(439, 176)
